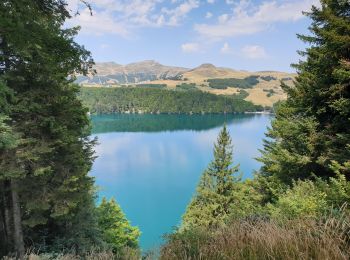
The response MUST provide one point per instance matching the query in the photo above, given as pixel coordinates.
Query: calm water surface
(151, 163)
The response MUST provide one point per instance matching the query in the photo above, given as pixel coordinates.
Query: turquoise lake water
(151, 163)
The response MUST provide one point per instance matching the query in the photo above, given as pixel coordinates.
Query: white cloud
(247, 18)
(190, 47)
(123, 16)
(208, 15)
(98, 24)
(181, 11)
(211, 1)
(226, 49)
(230, 2)
(254, 52)
(223, 18)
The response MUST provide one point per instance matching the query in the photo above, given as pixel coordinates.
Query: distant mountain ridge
(144, 71)
(260, 87)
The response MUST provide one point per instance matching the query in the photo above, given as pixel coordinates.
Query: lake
(151, 164)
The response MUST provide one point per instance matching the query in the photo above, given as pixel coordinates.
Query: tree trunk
(4, 228)
(17, 223)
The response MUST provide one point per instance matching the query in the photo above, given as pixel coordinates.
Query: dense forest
(149, 100)
(296, 207)
(47, 199)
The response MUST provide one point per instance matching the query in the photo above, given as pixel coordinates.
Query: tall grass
(125, 254)
(322, 239)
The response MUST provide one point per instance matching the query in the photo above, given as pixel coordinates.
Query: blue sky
(241, 34)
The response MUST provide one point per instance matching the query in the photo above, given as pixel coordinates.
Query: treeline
(248, 82)
(187, 86)
(151, 86)
(297, 206)
(147, 100)
(47, 198)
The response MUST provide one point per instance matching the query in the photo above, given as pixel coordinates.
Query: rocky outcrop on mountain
(139, 72)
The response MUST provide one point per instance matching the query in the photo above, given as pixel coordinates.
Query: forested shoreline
(148, 100)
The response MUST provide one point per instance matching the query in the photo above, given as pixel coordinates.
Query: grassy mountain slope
(265, 91)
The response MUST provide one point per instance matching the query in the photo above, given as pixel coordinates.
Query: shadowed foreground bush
(125, 254)
(260, 239)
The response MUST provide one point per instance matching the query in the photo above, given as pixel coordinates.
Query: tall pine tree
(311, 129)
(211, 204)
(44, 186)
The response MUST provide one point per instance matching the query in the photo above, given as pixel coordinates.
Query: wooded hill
(152, 100)
(206, 78)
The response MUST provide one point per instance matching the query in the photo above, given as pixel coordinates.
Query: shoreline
(189, 114)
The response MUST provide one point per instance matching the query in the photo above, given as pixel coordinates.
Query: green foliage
(151, 86)
(117, 231)
(8, 139)
(286, 79)
(242, 94)
(186, 86)
(270, 92)
(338, 188)
(248, 82)
(211, 204)
(304, 199)
(46, 154)
(268, 78)
(135, 100)
(247, 201)
(311, 129)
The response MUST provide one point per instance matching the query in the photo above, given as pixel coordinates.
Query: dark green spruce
(311, 129)
(47, 199)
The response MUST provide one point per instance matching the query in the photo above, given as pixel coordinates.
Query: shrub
(304, 199)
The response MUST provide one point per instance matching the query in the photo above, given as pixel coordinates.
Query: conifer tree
(117, 231)
(311, 129)
(44, 184)
(210, 205)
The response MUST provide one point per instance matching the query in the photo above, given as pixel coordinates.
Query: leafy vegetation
(47, 199)
(268, 78)
(270, 92)
(248, 82)
(311, 129)
(186, 86)
(116, 229)
(151, 85)
(242, 94)
(211, 204)
(286, 79)
(142, 100)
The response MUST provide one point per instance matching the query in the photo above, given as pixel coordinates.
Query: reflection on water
(162, 122)
(151, 163)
